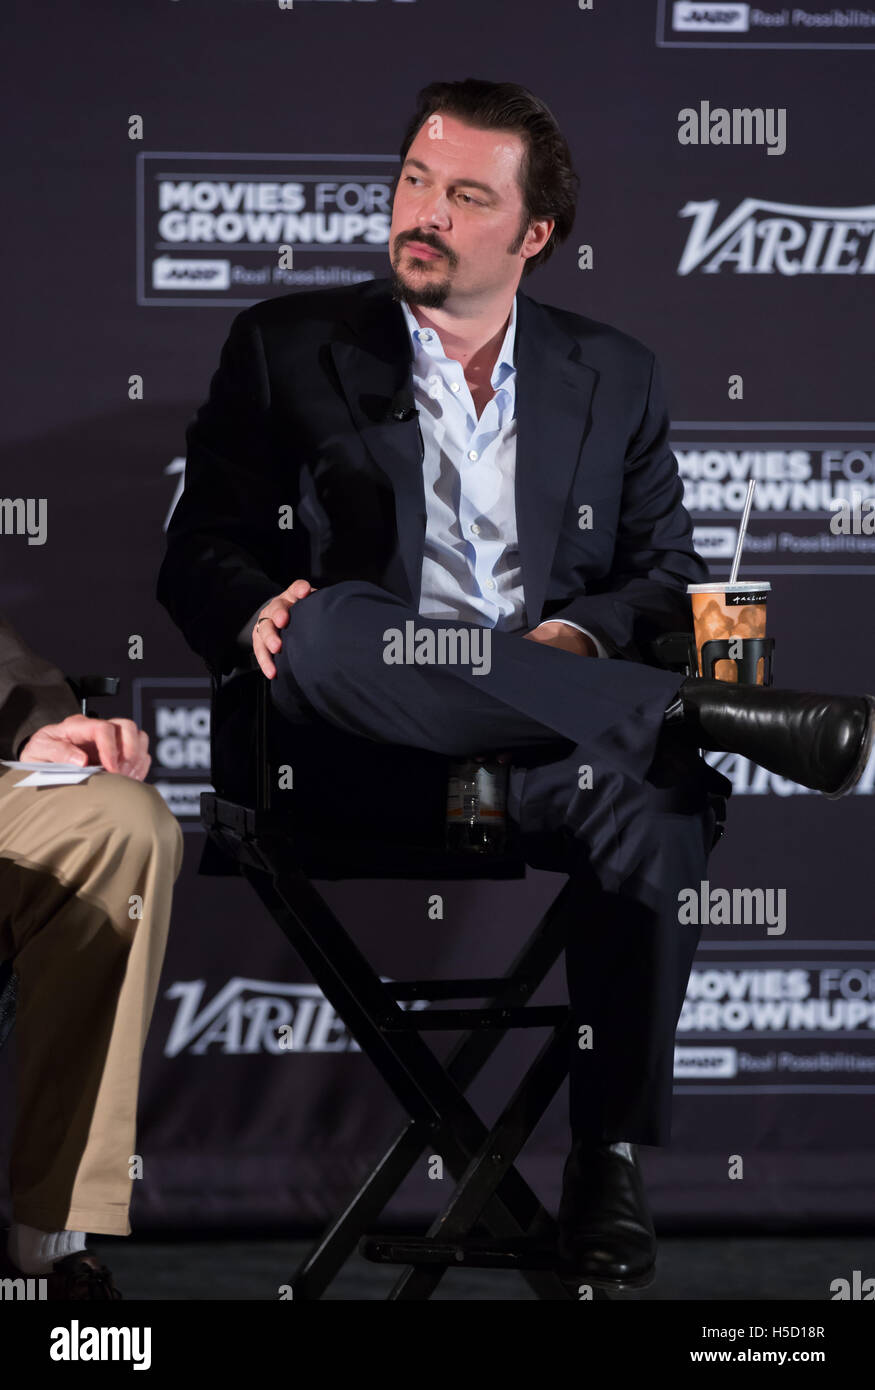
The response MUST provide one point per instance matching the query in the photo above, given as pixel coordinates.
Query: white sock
(34, 1252)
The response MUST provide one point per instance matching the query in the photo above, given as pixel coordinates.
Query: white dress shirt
(471, 561)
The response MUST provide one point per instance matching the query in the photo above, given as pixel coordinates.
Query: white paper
(51, 774)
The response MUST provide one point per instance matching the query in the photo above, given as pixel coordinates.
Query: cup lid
(741, 586)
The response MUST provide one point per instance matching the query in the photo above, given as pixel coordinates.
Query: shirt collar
(504, 363)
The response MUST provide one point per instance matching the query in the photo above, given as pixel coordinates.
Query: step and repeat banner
(160, 154)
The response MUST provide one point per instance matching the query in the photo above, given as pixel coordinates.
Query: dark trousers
(368, 743)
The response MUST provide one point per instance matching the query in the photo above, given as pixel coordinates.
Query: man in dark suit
(377, 463)
(73, 862)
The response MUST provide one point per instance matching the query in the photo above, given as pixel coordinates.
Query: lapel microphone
(403, 405)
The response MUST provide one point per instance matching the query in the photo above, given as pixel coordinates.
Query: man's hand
(266, 636)
(116, 744)
(568, 639)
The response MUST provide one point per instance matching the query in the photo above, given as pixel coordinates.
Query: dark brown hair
(548, 182)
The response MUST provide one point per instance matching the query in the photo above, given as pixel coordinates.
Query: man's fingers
(262, 647)
(56, 750)
(141, 761)
(264, 661)
(131, 743)
(65, 752)
(266, 631)
(135, 759)
(299, 589)
(266, 634)
(266, 639)
(140, 768)
(107, 741)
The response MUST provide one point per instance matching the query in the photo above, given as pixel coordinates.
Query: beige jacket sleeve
(33, 692)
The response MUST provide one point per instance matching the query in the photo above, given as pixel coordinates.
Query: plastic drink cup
(724, 611)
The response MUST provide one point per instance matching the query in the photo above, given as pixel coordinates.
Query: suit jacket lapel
(553, 393)
(373, 364)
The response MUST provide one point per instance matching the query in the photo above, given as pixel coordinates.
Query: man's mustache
(405, 237)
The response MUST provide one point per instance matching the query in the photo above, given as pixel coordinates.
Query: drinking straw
(742, 530)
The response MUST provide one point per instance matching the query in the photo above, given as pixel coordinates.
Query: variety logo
(761, 238)
(252, 1016)
(221, 229)
(748, 779)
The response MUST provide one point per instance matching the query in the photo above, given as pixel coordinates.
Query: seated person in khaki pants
(71, 859)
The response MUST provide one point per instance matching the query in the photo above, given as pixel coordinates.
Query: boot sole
(600, 1281)
(863, 757)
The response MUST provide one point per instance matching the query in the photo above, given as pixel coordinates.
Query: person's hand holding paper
(114, 744)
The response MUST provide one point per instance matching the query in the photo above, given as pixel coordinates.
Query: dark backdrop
(108, 276)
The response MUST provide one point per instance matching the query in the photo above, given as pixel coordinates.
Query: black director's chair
(493, 1220)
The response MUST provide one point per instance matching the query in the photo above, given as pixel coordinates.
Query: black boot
(820, 741)
(606, 1235)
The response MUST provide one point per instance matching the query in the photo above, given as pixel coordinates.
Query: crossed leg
(599, 789)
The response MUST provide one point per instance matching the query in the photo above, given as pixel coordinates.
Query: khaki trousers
(86, 880)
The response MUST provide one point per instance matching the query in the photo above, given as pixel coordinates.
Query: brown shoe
(75, 1278)
(81, 1276)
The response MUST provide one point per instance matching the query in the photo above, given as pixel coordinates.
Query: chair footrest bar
(534, 1016)
(476, 987)
(472, 1252)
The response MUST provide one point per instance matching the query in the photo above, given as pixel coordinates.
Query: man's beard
(431, 294)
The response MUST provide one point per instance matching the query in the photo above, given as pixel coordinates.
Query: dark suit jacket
(33, 692)
(299, 415)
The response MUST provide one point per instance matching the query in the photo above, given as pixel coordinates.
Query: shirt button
(454, 386)
(425, 335)
(475, 528)
(490, 583)
(473, 455)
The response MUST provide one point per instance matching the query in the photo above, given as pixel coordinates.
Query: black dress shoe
(820, 741)
(606, 1234)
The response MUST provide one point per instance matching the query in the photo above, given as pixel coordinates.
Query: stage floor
(710, 1268)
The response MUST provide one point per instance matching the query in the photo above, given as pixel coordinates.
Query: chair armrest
(674, 651)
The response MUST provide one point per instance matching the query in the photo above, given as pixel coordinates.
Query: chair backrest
(337, 857)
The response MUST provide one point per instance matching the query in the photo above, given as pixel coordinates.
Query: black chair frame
(493, 1219)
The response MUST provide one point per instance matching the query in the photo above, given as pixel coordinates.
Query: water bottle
(477, 806)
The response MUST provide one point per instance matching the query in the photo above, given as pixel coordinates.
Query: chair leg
(473, 1197)
(334, 1247)
(427, 1090)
